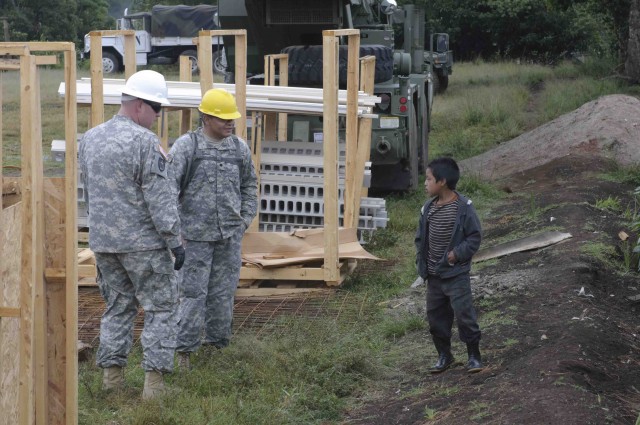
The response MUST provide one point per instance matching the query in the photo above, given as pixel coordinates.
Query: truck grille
(287, 12)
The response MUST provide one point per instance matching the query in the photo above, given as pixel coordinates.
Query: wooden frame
(205, 62)
(97, 76)
(330, 272)
(48, 306)
(269, 122)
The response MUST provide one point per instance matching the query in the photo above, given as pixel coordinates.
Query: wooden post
(256, 151)
(284, 81)
(351, 134)
(70, 237)
(330, 146)
(205, 61)
(29, 275)
(368, 67)
(185, 75)
(97, 90)
(41, 389)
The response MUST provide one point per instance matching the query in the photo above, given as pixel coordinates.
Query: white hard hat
(148, 85)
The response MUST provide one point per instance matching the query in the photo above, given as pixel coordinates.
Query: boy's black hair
(445, 168)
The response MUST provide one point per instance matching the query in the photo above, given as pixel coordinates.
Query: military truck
(162, 36)
(441, 59)
(400, 134)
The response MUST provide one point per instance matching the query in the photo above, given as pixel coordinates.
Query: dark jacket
(465, 240)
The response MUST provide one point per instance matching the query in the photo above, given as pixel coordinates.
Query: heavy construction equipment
(403, 80)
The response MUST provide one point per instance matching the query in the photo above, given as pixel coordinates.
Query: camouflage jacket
(221, 197)
(132, 206)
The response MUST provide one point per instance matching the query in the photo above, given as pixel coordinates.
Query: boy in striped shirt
(448, 236)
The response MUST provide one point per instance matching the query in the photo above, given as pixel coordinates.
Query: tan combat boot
(112, 378)
(153, 385)
(184, 362)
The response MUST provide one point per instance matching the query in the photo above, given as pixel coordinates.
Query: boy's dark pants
(446, 298)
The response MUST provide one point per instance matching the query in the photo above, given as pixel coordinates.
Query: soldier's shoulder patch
(159, 165)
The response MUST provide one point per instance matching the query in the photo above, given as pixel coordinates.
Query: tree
(632, 64)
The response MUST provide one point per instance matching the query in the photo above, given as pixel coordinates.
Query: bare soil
(561, 341)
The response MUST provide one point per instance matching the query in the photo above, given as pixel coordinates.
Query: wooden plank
(40, 337)
(241, 82)
(284, 81)
(1, 161)
(330, 142)
(111, 33)
(129, 54)
(205, 61)
(163, 129)
(266, 292)
(14, 64)
(28, 248)
(84, 254)
(9, 311)
(367, 70)
(10, 335)
(256, 157)
(341, 33)
(185, 114)
(283, 273)
(58, 273)
(97, 78)
(10, 49)
(351, 134)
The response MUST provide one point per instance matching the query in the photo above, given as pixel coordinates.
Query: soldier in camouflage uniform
(134, 223)
(218, 201)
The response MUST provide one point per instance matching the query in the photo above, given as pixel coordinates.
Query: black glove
(179, 253)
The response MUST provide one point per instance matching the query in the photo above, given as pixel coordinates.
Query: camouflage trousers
(210, 277)
(129, 280)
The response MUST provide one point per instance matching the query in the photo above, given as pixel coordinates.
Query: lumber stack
(184, 94)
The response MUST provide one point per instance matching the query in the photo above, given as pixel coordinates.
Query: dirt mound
(560, 330)
(608, 127)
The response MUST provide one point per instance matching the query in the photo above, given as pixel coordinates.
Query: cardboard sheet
(277, 249)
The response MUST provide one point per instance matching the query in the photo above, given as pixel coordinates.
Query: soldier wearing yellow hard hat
(217, 184)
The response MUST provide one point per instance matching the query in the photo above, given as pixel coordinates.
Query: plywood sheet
(10, 226)
(524, 244)
(278, 249)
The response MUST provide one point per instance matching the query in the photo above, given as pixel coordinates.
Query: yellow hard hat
(219, 103)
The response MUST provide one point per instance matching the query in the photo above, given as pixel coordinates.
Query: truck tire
(219, 62)
(305, 63)
(110, 63)
(193, 57)
(436, 84)
(444, 82)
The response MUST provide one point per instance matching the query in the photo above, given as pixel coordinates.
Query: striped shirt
(441, 219)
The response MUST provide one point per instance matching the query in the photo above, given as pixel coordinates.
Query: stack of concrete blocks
(291, 190)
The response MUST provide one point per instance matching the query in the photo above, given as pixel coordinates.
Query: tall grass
(488, 104)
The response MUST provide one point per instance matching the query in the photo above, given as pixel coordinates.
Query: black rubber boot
(445, 358)
(474, 364)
